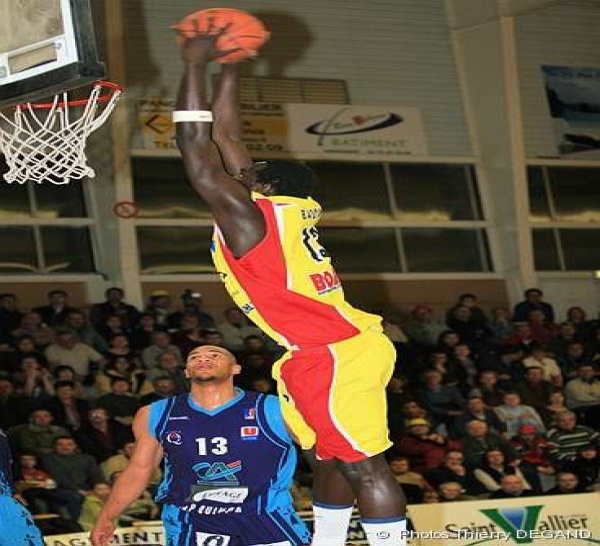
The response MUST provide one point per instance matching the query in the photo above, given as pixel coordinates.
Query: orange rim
(111, 89)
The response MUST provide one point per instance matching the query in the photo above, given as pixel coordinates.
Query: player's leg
(333, 502)
(346, 405)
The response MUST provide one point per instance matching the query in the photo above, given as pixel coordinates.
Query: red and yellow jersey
(286, 284)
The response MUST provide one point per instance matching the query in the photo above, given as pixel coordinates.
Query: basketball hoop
(45, 142)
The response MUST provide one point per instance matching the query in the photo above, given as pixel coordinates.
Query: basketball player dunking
(332, 379)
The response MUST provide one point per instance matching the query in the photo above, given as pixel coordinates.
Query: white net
(48, 144)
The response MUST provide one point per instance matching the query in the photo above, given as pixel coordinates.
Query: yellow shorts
(333, 397)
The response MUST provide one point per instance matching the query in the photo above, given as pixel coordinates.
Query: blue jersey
(16, 525)
(5, 466)
(236, 459)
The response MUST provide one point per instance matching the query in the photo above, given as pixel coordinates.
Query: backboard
(46, 47)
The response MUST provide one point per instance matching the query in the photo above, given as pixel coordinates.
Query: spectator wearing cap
(424, 448)
(538, 358)
(422, 328)
(235, 328)
(494, 467)
(192, 305)
(568, 438)
(161, 343)
(514, 414)
(476, 410)
(114, 306)
(159, 307)
(533, 301)
(58, 308)
(583, 395)
(479, 439)
(532, 448)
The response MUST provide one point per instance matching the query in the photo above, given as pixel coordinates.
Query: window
(162, 190)
(373, 222)
(174, 250)
(426, 193)
(44, 246)
(438, 250)
(560, 196)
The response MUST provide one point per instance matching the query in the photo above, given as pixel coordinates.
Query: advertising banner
(539, 521)
(574, 101)
(305, 131)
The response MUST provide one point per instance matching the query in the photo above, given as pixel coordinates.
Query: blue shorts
(281, 528)
(16, 525)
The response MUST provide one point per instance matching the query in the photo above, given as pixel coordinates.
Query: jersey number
(216, 445)
(310, 240)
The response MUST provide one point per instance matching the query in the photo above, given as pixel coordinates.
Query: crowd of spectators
(481, 405)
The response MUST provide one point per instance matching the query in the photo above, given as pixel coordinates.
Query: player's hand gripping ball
(237, 31)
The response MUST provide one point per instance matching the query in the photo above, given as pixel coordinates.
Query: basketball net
(45, 142)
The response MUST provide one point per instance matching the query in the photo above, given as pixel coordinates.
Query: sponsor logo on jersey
(250, 414)
(181, 418)
(209, 539)
(249, 433)
(247, 308)
(225, 495)
(325, 282)
(218, 473)
(174, 437)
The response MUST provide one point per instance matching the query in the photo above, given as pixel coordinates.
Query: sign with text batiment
(305, 131)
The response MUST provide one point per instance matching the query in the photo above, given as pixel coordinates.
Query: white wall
(566, 34)
(394, 52)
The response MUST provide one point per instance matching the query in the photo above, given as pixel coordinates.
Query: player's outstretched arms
(132, 483)
(237, 216)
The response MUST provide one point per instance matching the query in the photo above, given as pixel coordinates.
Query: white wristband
(192, 115)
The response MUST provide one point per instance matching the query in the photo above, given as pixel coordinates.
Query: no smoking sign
(126, 209)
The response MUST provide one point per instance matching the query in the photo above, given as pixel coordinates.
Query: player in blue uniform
(16, 524)
(229, 463)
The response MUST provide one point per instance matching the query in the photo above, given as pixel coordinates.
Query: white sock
(331, 524)
(385, 532)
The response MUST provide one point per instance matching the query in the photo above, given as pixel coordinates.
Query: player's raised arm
(237, 216)
(134, 480)
(227, 127)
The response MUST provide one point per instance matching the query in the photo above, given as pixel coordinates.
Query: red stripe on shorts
(308, 377)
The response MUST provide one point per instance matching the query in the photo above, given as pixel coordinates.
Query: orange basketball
(243, 31)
